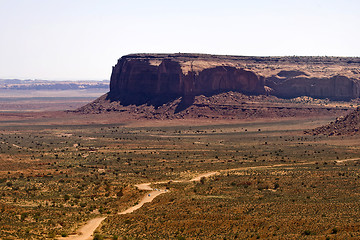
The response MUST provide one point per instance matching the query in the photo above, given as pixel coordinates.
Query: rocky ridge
(228, 105)
(348, 125)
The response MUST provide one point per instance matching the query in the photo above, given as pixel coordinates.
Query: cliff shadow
(186, 101)
(127, 99)
(137, 99)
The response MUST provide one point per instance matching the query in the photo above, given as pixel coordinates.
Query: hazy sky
(82, 39)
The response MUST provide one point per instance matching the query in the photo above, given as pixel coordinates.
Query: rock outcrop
(335, 88)
(348, 125)
(192, 86)
(158, 78)
(225, 106)
(141, 78)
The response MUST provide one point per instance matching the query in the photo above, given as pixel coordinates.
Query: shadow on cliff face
(136, 99)
(127, 99)
(186, 101)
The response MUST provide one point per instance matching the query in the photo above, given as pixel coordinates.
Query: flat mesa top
(313, 66)
(289, 59)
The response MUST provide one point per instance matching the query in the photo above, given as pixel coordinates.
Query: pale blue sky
(82, 39)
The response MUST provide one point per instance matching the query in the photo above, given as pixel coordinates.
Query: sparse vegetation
(54, 178)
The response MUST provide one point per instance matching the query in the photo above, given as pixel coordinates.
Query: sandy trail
(86, 232)
(147, 198)
(204, 175)
(347, 160)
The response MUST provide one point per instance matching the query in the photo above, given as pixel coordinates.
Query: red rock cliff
(155, 75)
(142, 77)
(335, 88)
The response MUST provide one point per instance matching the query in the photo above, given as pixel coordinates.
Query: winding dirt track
(147, 198)
(86, 232)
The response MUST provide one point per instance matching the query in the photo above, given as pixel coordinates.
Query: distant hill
(43, 95)
(16, 84)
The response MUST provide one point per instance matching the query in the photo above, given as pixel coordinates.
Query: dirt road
(86, 231)
(147, 198)
(347, 160)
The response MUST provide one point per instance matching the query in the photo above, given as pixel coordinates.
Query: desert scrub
(298, 201)
(54, 178)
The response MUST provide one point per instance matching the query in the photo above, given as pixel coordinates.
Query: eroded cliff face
(176, 77)
(335, 88)
(139, 78)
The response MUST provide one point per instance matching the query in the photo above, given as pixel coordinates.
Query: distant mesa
(150, 76)
(43, 85)
(159, 79)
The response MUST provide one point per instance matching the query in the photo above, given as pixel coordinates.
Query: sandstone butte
(137, 78)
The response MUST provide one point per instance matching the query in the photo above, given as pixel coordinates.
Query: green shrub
(66, 198)
(98, 237)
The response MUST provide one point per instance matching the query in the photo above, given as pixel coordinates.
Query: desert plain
(230, 166)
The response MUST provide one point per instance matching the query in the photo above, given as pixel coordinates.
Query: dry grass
(76, 172)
